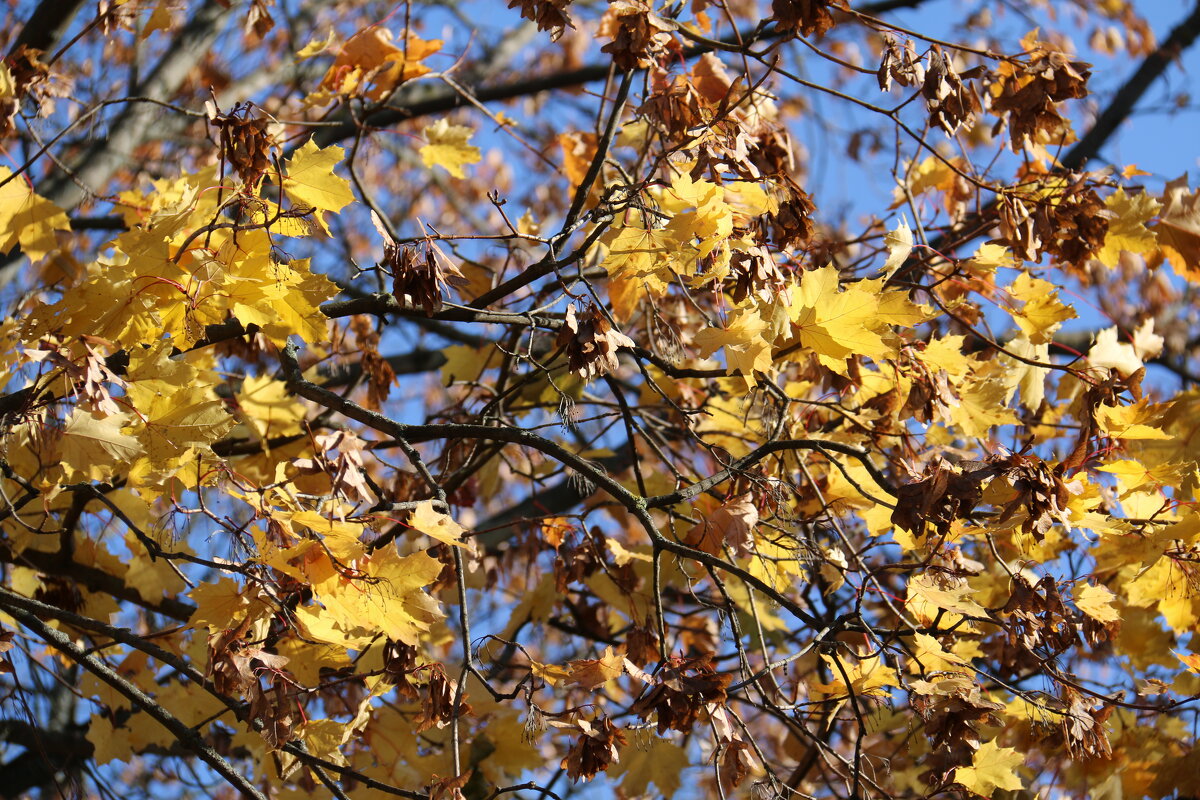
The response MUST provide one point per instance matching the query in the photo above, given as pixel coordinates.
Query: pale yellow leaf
(899, 242)
(309, 179)
(439, 526)
(1096, 601)
(448, 146)
(993, 767)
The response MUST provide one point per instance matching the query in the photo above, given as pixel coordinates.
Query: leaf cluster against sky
(403, 402)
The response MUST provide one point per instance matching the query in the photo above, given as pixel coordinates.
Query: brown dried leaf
(594, 750)
(591, 342)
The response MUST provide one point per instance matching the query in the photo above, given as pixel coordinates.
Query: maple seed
(591, 342)
(245, 141)
(594, 750)
(419, 277)
(802, 17)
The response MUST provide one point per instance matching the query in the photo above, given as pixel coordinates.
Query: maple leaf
(1030, 379)
(223, 604)
(989, 257)
(1097, 602)
(936, 173)
(371, 64)
(935, 658)
(981, 407)
(1178, 228)
(177, 408)
(550, 673)
(992, 767)
(1123, 357)
(389, 599)
(926, 597)
(27, 219)
(1042, 312)
(592, 672)
(439, 526)
(268, 408)
(309, 179)
(867, 676)
(641, 252)
(97, 446)
(1137, 421)
(836, 324)
(661, 763)
(448, 146)
(899, 243)
(343, 539)
(747, 348)
(730, 524)
(1127, 230)
(578, 148)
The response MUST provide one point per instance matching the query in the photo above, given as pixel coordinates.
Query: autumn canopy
(771, 398)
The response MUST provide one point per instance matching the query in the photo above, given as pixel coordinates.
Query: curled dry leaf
(594, 750)
(591, 342)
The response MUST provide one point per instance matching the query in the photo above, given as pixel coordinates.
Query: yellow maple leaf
(946, 353)
(578, 149)
(388, 599)
(698, 211)
(635, 251)
(448, 146)
(899, 243)
(1042, 312)
(27, 218)
(344, 539)
(981, 407)
(1137, 421)
(1030, 379)
(992, 767)
(439, 526)
(932, 657)
(178, 412)
(552, 674)
(268, 408)
(746, 348)
(1096, 601)
(926, 597)
(309, 179)
(223, 604)
(1191, 661)
(1127, 230)
(316, 46)
(97, 446)
(282, 298)
(661, 763)
(869, 676)
(989, 257)
(1109, 352)
(931, 173)
(836, 324)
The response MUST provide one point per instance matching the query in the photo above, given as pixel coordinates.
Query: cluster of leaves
(685, 479)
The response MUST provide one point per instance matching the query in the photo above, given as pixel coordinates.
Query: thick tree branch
(1182, 37)
(46, 24)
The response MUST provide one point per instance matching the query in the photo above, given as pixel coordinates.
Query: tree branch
(182, 733)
